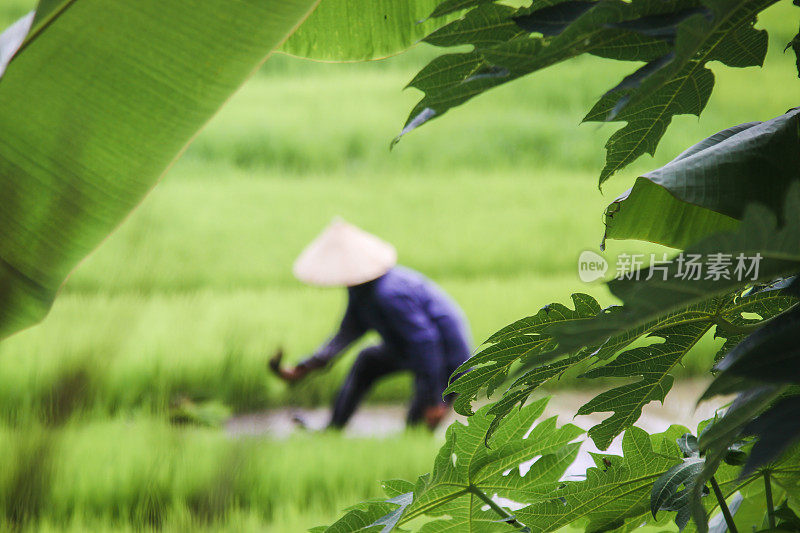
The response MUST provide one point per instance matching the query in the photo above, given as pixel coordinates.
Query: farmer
(423, 330)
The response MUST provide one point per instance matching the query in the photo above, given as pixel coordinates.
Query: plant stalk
(505, 515)
(723, 506)
(770, 504)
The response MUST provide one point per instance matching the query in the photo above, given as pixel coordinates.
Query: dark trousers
(372, 364)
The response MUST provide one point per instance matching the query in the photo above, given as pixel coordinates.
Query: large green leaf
(342, 30)
(758, 240)
(706, 188)
(94, 106)
(503, 51)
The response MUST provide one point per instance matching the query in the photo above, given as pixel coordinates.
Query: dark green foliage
(669, 337)
(732, 198)
(523, 339)
(674, 38)
(466, 475)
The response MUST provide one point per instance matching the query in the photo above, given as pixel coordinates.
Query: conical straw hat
(344, 255)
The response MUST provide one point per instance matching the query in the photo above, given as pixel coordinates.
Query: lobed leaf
(651, 366)
(539, 358)
(523, 339)
(609, 495)
(671, 491)
(465, 462)
(721, 30)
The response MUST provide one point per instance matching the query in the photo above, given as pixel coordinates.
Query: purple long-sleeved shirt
(415, 318)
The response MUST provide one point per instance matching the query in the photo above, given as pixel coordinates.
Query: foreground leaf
(467, 475)
(611, 494)
(651, 366)
(340, 30)
(521, 340)
(465, 464)
(706, 189)
(680, 83)
(79, 153)
(671, 491)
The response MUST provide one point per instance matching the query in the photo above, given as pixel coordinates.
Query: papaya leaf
(451, 6)
(611, 493)
(722, 32)
(651, 366)
(526, 342)
(552, 20)
(706, 188)
(675, 39)
(769, 355)
(361, 520)
(467, 475)
(522, 339)
(482, 27)
(472, 487)
(510, 55)
(79, 153)
(465, 464)
(671, 491)
(375, 516)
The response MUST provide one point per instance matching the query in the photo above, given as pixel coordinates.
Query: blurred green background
(193, 293)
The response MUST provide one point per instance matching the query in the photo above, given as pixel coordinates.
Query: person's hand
(434, 415)
(290, 375)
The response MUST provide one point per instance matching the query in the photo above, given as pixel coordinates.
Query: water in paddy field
(679, 408)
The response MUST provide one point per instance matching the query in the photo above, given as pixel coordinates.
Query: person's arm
(350, 330)
(423, 344)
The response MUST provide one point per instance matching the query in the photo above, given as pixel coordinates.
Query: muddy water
(385, 421)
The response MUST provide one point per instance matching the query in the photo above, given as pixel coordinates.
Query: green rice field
(193, 293)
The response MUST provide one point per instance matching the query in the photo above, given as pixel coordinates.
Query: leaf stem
(505, 515)
(768, 496)
(726, 513)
